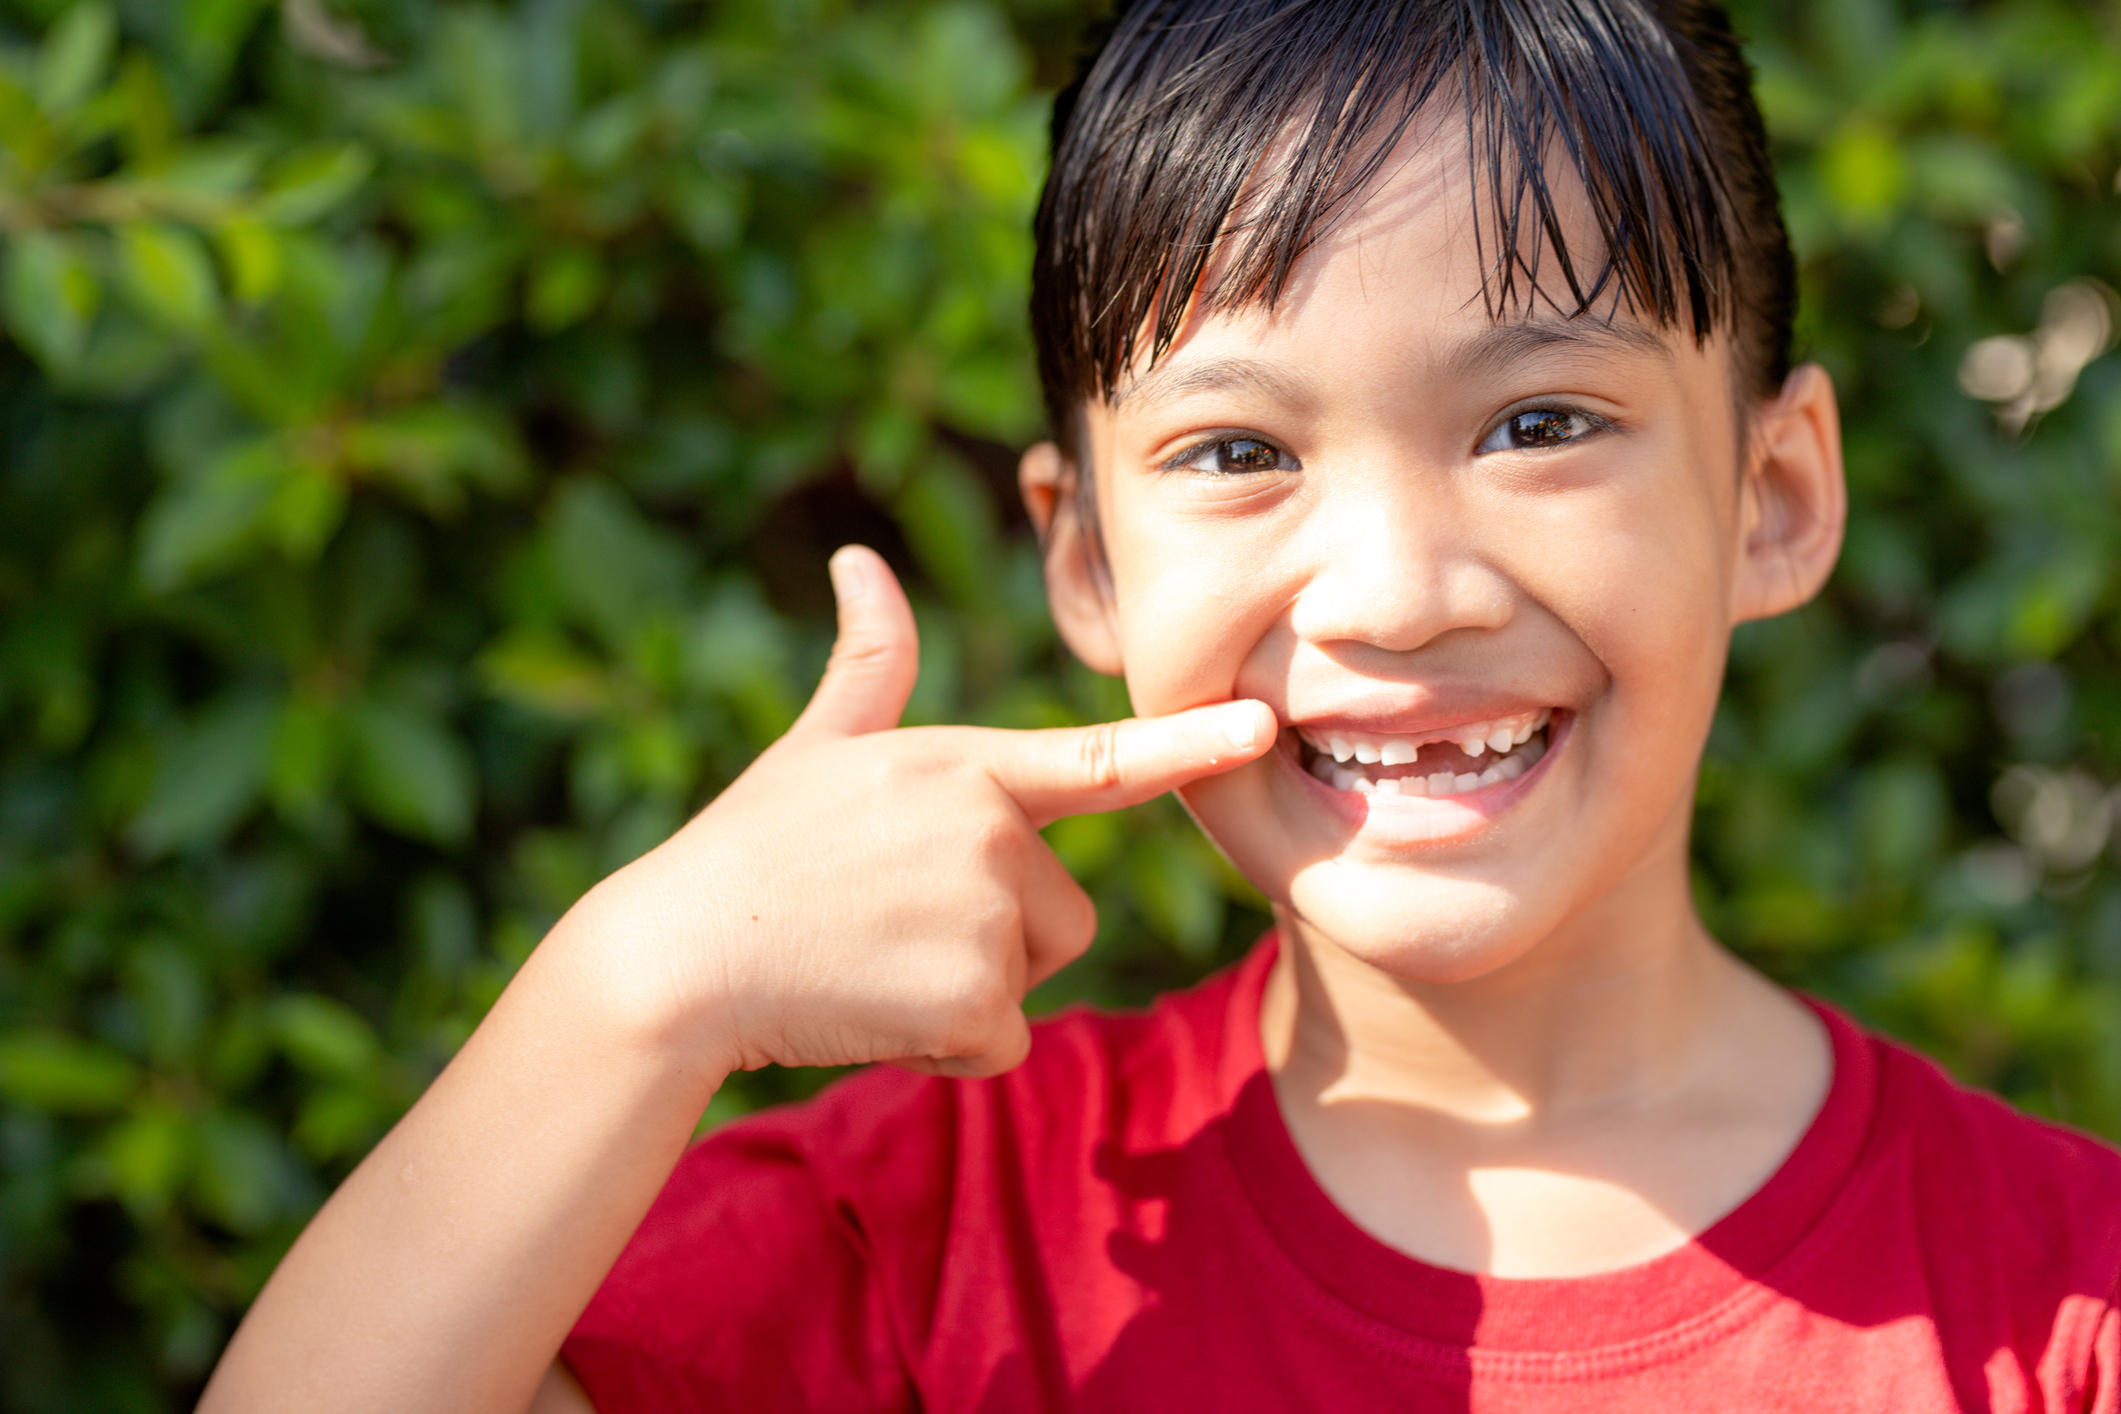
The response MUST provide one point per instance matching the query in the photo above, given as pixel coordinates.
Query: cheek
(1189, 618)
(1180, 649)
(1637, 574)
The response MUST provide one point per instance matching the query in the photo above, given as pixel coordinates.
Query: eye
(1537, 428)
(1233, 456)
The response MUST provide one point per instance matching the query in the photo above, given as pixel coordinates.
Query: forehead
(1408, 277)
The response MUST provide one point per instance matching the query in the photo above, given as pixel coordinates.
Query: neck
(1591, 1104)
(1625, 1003)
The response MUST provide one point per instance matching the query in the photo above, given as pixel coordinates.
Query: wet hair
(1159, 197)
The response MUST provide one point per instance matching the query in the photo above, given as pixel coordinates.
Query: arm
(861, 893)
(561, 1393)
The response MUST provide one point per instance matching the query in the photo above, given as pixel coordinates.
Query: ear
(1074, 561)
(1793, 505)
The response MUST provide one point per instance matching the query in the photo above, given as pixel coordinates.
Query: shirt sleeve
(745, 1288)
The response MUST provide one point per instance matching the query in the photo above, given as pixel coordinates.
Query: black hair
(1158, 148)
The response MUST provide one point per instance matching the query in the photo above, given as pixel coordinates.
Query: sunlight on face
(1480, 568)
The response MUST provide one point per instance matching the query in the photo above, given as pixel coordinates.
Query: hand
(865, 892)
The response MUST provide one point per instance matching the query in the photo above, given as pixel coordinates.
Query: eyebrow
(1498, 346)
(1171, 382)
(1489, 352)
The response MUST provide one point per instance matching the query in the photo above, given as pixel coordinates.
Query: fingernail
(1242, 724)
(848, 581)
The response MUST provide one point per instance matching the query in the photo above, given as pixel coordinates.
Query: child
(1423, 427)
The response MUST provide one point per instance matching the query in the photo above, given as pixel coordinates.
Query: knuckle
(976, 984)
(993, 1001)
(1098, 750)
(1082, 927)
(994, 840)
(994, 1050)
(1004, 1051)
(864, 648)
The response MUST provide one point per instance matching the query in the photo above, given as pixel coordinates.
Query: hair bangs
(1213, 142)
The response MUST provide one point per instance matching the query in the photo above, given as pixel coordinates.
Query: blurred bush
(425, 425)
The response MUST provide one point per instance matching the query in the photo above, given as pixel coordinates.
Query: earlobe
(1794, 502)
(1075, 582)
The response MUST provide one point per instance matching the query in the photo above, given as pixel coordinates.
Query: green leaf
(246, 1179)
(251, 252)
(52, 296)
(147, 1153)
(325, 1037)
(313, 182)
(171, 988)
(255, 493)
(546, 671)
(1177, 894)
(1086, 843)
(950, 522)
(564, 286)
(1863, 171)
(211, 167)
(201, 524)
(409, 772)
(169, 275)
(619, 573)
(148, 127)
(75, 56)
(62, 1074)
(434, 451)
(210, 776)
(706, 207)
(1901, 808)
(305, 754)
(608, 133)
(337, 1121)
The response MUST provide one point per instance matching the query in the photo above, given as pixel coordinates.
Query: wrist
(642, 963)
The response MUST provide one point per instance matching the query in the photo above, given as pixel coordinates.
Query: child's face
(1391, 518)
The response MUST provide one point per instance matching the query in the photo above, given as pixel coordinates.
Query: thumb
(876, 657)
(1081, 770)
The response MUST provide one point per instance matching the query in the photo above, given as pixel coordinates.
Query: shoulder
(2002, 1180)
(1988, 1137)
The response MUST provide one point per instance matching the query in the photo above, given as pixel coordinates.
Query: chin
(1448, 934)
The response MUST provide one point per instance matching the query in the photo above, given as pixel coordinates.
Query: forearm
(445, 1272)
(858, 894)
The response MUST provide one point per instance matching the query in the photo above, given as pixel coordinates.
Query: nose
(1396, 563)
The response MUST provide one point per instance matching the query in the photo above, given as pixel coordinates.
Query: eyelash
(1592, 425)
(1188, 459)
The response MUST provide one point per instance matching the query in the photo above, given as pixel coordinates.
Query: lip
(1388, 723)
(1416, 819)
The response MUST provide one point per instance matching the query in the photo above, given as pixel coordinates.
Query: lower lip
(1421, 819)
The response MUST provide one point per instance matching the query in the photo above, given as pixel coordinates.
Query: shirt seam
(1742, 1306)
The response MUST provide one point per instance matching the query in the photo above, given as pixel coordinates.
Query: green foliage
(1908, 803)
(426, 423)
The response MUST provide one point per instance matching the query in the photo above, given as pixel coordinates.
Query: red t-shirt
(1122, 1224)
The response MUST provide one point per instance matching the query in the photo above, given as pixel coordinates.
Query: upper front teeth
(1473, 739)
(1436, 785)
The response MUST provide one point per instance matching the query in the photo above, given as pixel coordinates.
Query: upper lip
(1431, 720)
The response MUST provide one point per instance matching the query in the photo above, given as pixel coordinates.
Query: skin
(903, 919)
(1498, 1033)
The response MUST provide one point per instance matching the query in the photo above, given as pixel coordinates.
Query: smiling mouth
(1457, 762)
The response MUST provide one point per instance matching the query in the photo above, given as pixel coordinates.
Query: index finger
(1082, 770)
